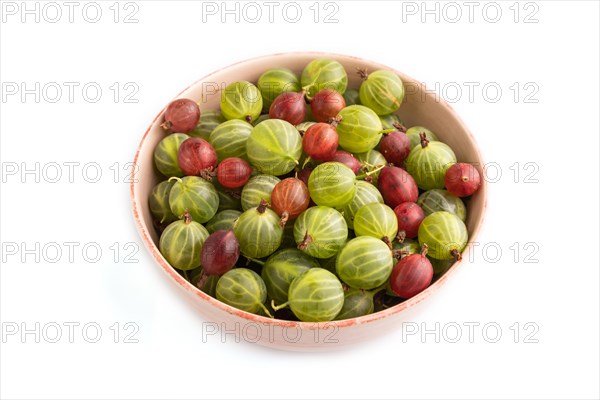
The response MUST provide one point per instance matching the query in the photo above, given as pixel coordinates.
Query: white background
(171, 47)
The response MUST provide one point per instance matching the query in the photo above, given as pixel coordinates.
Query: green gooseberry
(258, 231)
(316, 295)
(441, 200)
(274, 147)
(195, 195)
(445, 234)
(276, 81)
(364, 263)
(282, 268)
(366, 193)
(428, 163)
(324, 73)
(359, 129)
(382, 91)
(320, 231)
(158, 202)
(241, 100)
(209, 120)
(165, 154)
(229, 139)
(357, 303)
(243, 289)
(181, 243)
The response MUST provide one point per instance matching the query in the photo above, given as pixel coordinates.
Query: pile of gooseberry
(303, 199)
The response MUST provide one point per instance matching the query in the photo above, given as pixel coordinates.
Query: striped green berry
(376, 220)
(257, 188)
(274, 147)
(223, 220)
(209, 120)
(158, 202)
(196, 195)
(324, 73)
(332, 184)
(364, 263)
(316, 296)
(440, 200)
(258, 231)
(445, 234)
(359, 129)
(181, 243)
(282, 268)
(276, 81)
(365, 194)
(356, 304)
(320, 231)
(241, 100)
(429, 162)
(382, 91)
(165, 155)
(243, 289)
(229, 139)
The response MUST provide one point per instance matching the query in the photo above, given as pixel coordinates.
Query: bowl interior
(420, 107)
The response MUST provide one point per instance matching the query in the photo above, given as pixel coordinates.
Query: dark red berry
(196, 156)
(181, 116)
(411, 275)
(233, 172)
(348, 160)
(395, 147)
(326, 104)
(290, 107)
(320, 141)
(304, 174)
(397, 186)
(410, 215)
(462, 179)
(220, 252)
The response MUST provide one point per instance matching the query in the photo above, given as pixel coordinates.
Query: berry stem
(305, 242)
(266, 310)
(362, 72)
(370, 172)
(335, 121)
(279, 307)
(187, 217)
(284, 219)
(456, 254)
(185, 275)
(387, 241)
(255, 260)
(248, 118)
(262, 207)
(208, 174)
(378, 289)
(400, 253)
(424, 140)
(424, 249)
(401, 236)
(399, 127)
(176, 178)
(166, 125)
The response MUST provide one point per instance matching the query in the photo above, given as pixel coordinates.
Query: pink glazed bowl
(420, 107)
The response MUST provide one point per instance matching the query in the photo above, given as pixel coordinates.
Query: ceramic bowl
(420, 107)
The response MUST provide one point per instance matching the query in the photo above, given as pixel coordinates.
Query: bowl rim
(377, 316)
